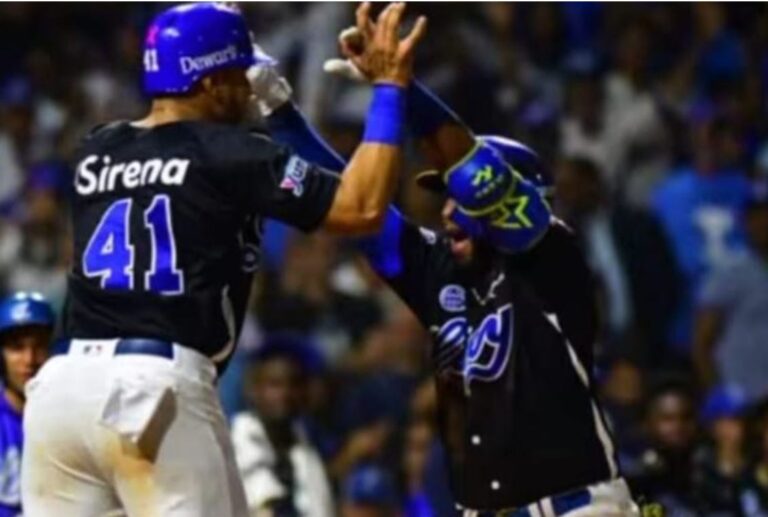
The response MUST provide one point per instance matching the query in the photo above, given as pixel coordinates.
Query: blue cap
(23, 309)
(724, 401)
(187, 42)
(370, 485)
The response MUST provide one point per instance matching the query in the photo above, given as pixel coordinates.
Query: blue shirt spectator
(11, 440)
(701, 215)
(731, 327)
(740, 292)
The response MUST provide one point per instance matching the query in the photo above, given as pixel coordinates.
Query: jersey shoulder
(213, 139)
(232, 143)
(110, 133)
(558, 250)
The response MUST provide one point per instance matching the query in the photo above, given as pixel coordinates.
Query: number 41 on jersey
(109, 255)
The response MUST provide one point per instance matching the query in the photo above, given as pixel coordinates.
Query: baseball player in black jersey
(166, 214)
(508, 298)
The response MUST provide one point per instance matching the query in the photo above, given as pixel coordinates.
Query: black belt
(561, 504)
(128, 346)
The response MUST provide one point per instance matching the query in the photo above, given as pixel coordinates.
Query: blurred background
(654, 121)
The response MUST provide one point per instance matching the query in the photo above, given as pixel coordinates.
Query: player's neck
(15, 399)
(170, 110)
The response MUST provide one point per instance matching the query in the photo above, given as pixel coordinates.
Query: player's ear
(212, 90)
(207, 85)
(217, 85)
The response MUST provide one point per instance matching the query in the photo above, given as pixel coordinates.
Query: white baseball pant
(608, 499)
(134, 434)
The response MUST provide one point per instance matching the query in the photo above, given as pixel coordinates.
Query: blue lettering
(486, 350)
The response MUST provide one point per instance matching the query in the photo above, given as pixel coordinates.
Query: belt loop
(547, 508)
(194, 362)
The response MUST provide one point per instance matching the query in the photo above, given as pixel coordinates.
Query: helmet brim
(431, 180)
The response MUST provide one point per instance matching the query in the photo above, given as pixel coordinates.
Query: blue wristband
(426, 112)
(385, 115)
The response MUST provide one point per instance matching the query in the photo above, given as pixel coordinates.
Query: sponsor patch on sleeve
(294, 175)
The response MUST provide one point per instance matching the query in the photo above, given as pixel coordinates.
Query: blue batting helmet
(24, 309)
(525, 160)
(187, 42)
(516, 154)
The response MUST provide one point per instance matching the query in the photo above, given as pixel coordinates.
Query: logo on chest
(453, 298)
(477, 353)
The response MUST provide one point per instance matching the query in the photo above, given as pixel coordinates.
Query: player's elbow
(356, 222)
(374, 220)
(367, 221)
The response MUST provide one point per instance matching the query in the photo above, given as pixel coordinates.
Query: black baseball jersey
(512, 351)
(167, 225)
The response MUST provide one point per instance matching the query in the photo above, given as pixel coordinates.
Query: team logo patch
(294, 175)
(453, 298)
(479, 352)
(21, 312)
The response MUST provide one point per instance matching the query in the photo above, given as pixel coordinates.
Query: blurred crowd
(654, 121)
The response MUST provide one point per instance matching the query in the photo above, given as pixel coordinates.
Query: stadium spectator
(719, 465)
(38, 259)
(731, 328)
(754, 494)
(625, 248)
(671, 432)
(384, 372)
(26, 327)
(370, 491)
(418, 442)
(282, 472)
(700, 209)
(301, 297)
(642, 139)
(622, 388)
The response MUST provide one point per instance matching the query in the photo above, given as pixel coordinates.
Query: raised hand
(376, 49)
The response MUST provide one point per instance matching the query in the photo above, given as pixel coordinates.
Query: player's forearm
(288, 126)
(443, 137)
(366, 189)
(369, 180)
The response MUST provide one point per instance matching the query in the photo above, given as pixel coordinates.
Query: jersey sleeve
(275, 182)
(413, 260)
